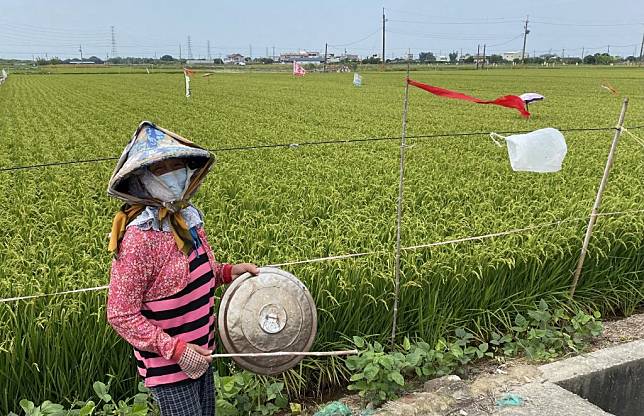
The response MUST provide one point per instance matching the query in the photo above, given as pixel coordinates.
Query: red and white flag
(298, 70)
(509, 101)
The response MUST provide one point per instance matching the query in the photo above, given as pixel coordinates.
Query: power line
(316, 143)
(586, 24)
(356, 41)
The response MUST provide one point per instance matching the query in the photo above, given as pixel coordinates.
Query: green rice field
(280, 204)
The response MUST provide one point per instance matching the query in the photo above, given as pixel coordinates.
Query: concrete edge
(593, 362)
(549, 399)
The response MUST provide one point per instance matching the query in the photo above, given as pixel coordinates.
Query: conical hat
(149, 145)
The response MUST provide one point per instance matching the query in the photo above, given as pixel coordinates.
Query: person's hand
(195, 361)
(241, 268)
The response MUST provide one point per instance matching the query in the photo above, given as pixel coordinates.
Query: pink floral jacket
(150, 266)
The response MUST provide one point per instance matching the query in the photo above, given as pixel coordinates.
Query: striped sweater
(159, 299)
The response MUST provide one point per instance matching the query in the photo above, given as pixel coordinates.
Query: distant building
(511, 56)
(235, 58)
(303, 57)
(197, 62)
(442, 58)
(349, 57)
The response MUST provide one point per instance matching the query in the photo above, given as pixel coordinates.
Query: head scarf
(150, 145)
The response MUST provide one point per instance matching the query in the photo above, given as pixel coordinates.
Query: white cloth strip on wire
(368, 253)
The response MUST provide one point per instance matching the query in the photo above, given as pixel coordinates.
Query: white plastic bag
(538, 151)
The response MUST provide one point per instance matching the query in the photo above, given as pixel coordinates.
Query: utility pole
(113, 42)
(326, 46)
(273, 52)
(563, 55)
(267, 51)
(478, 50)
(525, 35)
(80, 49)
(208, 47)
(383, 38)
(483, 63)
(189, 48)
(250, 52)
(179, 51)
(583, 49)
(642, 50)
(608, 52)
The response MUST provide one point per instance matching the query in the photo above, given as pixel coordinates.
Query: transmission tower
(209, 56)
(113, 42)
(189, 48)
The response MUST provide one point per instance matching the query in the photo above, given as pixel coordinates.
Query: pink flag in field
(298, 70)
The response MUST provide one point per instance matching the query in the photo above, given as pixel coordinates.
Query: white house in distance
(511, 56)
(234, 58)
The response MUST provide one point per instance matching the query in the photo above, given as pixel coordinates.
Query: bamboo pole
(401, 182)
(598, 198)
(286, 353)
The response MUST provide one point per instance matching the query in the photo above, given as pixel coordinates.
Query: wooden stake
(403, 144)
(598, 198)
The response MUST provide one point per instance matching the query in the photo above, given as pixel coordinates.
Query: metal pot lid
(270, 312)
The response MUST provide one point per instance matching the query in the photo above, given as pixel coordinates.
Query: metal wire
(370, 253)
(313, 143)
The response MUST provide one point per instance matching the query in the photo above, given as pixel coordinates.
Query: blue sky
(143, 28)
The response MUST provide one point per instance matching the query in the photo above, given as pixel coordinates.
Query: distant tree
(590, 59)
(453, 56)
(496, 59)
(631, 58)
(604, 58)
(95, 59)
(572, 60)
(469, 60)
(426, 57)
(218, 61)
(371, 60)
(167, 58)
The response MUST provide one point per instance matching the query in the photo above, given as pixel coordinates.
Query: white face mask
(168, 187)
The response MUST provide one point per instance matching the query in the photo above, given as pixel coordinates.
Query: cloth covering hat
(149, 145)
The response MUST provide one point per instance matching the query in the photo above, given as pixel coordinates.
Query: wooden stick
(598, 198)
(287, 353)
(403, 145)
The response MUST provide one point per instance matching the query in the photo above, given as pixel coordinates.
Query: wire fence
(369, 253)
(618, 129)
(292, 145)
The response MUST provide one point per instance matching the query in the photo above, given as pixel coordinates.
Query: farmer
(164, 274)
